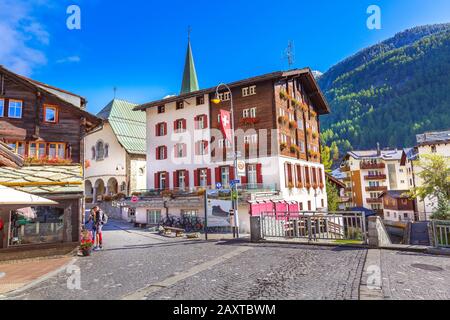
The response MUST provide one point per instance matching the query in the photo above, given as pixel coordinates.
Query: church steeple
(190, 82)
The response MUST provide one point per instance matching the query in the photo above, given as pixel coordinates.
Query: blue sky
(139, 46)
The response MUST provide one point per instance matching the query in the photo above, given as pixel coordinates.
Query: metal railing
(315, 226)
(441, 233)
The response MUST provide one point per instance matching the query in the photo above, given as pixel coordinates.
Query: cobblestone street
(139, 265)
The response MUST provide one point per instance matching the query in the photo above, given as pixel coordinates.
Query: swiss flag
(225, 124)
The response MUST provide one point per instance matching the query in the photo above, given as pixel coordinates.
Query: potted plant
(294, 149)
(86, 243)
(283, 119)
(284, 95)
(314, 135)
(283, 146)
(299, 185)
(293, 125)
(313, 114)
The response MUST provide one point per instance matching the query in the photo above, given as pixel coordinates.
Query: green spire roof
(190, 82)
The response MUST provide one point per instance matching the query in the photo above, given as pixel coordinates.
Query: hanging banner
(225, 124)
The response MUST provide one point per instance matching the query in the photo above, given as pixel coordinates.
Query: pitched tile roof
(128, 125)
(385, 154)
(44, 179)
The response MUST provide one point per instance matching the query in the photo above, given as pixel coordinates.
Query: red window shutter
(165, 128)
(232, 177)
(196, 122)
(286, 178)
(157, 154)
(175, 179)
(196, 178)
(156, 130)
(205, 121)
(208, 172)
(244, 180)
(186, 178)
(165, 152)
(184, 124)
(259, 176)
(218, 175)
(156, 180)
(175, 125)
(184, 150)
(167, 181)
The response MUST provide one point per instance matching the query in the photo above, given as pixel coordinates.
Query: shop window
(153, 216)
(36, 225)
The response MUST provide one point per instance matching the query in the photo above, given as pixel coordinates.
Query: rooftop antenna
(115, 91)
(289, 53)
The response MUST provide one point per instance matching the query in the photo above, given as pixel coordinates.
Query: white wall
(190, 111)
(138, 179)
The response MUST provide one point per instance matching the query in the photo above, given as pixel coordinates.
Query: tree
(327, 161)
(333, 197)
(434, 175)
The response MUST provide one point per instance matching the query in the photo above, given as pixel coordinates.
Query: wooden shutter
(167, 181)
(165, 153)
(209, 177)
(259, 176)
(157, 154)
(186, 178)
(175, 125)
(165, 128)
(196, 178)
(184, 124)
(231, 170)
(205, 121)
(156, 130)
(157, 180)
(244, 180)
(218, 175)
(175, 179)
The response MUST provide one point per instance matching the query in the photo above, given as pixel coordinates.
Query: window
(41, 150)
(106, 150)
(253, 113)
(300, 124)
(201, 122)
(21, 148)
(291, 117)
(203, 177)
(252, 175)
(201, 148)
(224, 143)
(251, 139)
(225, 175)
(162, 180)
(252, 90)
(32, 150)
(161, 153)
(161, 129)
(52, 150)
(153, 216)
(50, 114)
(218, 118)
(246, 113)
(245, 92)
(123, 187)
(433, 149)
(161, 109)
(2, 107)
(180, 150)
(200, 100)
(180, 105)
(180, 125)
(15, 109)
(100, 151)
(182, 180)
(61, 150)
(93, 153)
(302, 146)
(226, 96)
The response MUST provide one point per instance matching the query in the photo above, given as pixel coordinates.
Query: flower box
(283, 119)
(283, 146)
(293, 125)
(250, 121)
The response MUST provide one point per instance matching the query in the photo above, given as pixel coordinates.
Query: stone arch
(99, 188)
(112, 187)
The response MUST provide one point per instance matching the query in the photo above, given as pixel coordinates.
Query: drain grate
(427, 267)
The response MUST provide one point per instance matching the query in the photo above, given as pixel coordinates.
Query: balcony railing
(375, 177)
(374, 200)
(345, 168)
(369, 165)
(379, 188)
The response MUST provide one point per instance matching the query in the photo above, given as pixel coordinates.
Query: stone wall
(378, 236)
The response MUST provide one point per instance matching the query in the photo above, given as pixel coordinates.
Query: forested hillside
(390, 92)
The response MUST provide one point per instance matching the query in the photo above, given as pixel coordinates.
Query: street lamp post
(234, 190)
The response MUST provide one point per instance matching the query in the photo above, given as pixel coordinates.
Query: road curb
(371, 285)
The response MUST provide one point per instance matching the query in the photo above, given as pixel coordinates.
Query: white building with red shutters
(277, 130)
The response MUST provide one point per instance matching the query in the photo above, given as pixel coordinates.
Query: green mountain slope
(390, 92)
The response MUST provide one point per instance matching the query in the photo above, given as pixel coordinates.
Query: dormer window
(200, 100)
(180, 105)
(161, 109)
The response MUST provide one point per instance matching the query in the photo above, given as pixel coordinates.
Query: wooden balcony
(375, 177)
(347, 179)
(369, 189)
(368, 165)
(372, 200)
(345, 168)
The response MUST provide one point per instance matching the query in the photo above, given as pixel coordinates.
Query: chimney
(378, 149)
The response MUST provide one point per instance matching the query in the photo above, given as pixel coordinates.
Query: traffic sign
(134, 199)
(218, 185)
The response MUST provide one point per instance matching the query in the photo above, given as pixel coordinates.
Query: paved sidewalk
(16, 275)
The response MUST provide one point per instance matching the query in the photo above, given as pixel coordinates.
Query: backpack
(105, 218)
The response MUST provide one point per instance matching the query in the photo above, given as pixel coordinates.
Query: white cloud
(71, 59)
(22, 38)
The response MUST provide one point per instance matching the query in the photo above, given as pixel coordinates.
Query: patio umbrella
(11, 199)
